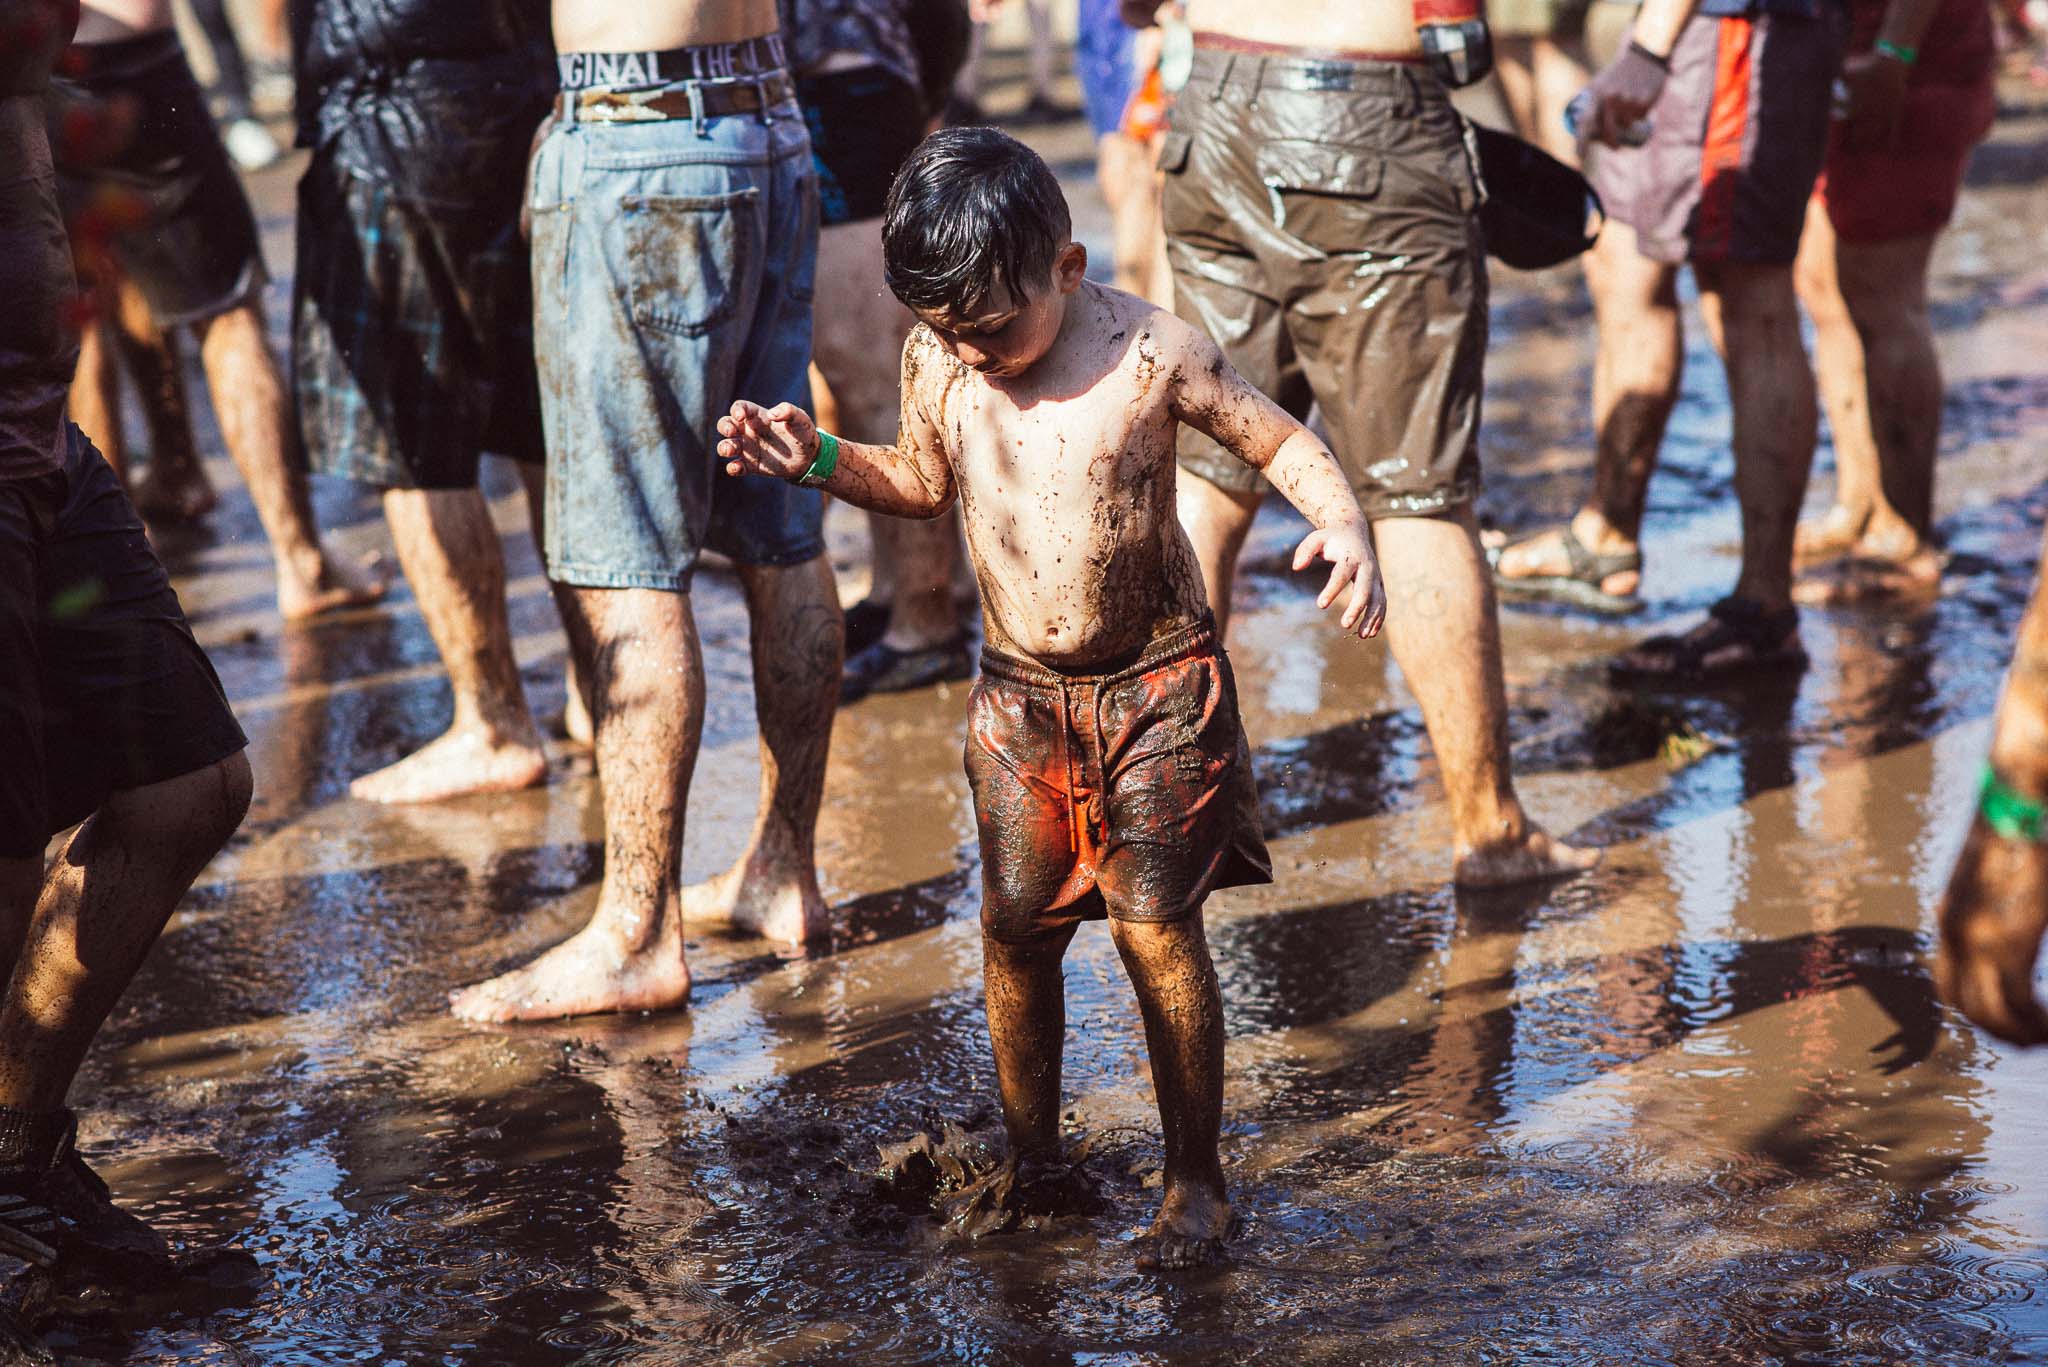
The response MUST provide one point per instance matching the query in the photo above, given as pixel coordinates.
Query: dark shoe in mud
(865, 623)
(1189, 1234)
(1583, 585)
(882, 668)
(1740, 642)
(59, 1215)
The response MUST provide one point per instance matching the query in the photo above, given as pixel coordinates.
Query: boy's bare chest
(1055, 450)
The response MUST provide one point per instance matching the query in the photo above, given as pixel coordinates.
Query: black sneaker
(882, 668)
(60, 1215)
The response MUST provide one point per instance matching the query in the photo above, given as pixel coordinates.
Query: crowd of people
(695, 268)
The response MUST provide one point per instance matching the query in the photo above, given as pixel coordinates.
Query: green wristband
(1898, 52)
(821, 468)
(2010, 814)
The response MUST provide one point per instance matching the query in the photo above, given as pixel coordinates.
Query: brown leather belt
(1224, 42)
(688, 100)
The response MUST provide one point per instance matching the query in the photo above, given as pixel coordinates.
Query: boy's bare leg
(1442, 625)
(1175, 979)
(1880, 379)
(1026, 994)
(98, 912)
(648, 681)
(448, 547)
(174, 487)
(249, 401)
(798, 639)
(1638, 359)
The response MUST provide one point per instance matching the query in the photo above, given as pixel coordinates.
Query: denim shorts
(673, 263)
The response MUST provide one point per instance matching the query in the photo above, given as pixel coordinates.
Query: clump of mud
(975, 1189)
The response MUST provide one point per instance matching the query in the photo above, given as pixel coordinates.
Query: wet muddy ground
(1697, 1107)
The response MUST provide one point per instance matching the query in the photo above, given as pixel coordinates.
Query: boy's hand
(1348, 547)
(781, 441)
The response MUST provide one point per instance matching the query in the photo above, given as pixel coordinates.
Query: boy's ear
(1070, 267)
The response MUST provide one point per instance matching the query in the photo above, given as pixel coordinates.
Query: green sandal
(1578, 589)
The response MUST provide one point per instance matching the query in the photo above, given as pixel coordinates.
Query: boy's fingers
(1338, 574)
(1306, 551)
(1361, 599)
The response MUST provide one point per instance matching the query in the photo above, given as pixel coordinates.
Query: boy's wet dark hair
(973, 207)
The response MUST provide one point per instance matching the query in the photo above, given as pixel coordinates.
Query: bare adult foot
(1881, 566)
(587, 974)
(754, 899)
(1546, 556)
(1525, 860)
(338, 585)
(183, 495)
(1192, 1225)
(1831, 535)
(456, 763)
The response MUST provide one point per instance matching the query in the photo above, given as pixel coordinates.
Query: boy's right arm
(909, 479)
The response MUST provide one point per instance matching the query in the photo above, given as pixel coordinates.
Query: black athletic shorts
(186, 237)
(412, 331)
(102, 687)
(865, 122)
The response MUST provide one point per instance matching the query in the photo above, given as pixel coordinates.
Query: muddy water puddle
(1698, 1107)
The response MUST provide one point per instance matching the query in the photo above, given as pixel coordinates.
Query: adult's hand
(1622, 93)
(1992, 918)
(1877, 100)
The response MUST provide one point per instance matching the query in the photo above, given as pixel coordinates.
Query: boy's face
(1006, 335)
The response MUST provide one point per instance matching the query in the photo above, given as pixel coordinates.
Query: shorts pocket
(686, 257)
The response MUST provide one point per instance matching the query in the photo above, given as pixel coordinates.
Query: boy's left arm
(1210, 396)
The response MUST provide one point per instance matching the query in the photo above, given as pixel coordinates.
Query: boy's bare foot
(1992, 920)
(587, 974)
(1533, 856)
(184, 495)
(755, 899)
(1831, 535)
(1192, 1225)
(455, 764)
(338, 584)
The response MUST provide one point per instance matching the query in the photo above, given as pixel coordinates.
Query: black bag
(1537, 208)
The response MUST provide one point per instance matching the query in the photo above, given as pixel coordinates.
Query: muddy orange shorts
(1125, 794)
(1909, 189)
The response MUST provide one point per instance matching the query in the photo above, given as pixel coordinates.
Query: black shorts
(102, 687)
(188, 239)
(865, 122)
(412, 333)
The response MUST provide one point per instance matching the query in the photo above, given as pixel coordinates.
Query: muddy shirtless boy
(1110, 774)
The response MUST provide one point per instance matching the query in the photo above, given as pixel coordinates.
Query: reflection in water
(1698, 1107)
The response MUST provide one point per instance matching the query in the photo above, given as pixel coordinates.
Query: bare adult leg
(576, 707)
(1776, 416)
(1445, 634)
(1881, 380)
(1637, 364)
(1442, 625)
(174, 486)
(858, 329)
(250, 402)
(95, 399)
(1123, 170)
(448, 547)
(797, 633)
(101, 907)
(648, 681)
(1175, 980)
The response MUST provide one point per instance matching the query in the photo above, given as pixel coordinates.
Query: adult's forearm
(1658, 24)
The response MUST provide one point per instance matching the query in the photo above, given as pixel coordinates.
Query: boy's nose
(971, 356)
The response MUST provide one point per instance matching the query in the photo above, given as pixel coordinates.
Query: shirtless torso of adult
(1066, 479)
(658, 25)
(1385, 27)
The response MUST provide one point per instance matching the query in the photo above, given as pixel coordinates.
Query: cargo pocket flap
(1318, 168)
(1173, 152)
